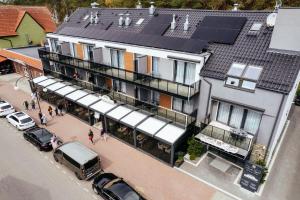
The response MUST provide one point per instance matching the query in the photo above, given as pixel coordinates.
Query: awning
(88, 100)
(47, 82)
(76, 95)
(134, 118)
(119, 112)
(56, 86)
(170, 133)
(65, 90)
(102, 107)
(151, 125)
(40, 79)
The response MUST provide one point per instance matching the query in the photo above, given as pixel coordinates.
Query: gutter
(208, 98)
(274, 125)
(11, 44)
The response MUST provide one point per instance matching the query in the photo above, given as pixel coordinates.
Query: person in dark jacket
(26, 104)
(91, 136)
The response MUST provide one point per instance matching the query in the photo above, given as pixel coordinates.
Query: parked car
(84, 162)
(297, 100)
(111, 187)
(39, 137)
(5, 108)
(20, 120)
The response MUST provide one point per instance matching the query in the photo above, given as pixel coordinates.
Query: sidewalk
(152, 178)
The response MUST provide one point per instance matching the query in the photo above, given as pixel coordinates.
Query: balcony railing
(152, 82)
(178, 118)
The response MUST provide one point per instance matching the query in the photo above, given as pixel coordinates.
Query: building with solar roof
(156, 76)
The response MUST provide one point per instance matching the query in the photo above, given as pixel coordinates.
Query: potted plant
(195, 148)
(262, 163)
(180, 159)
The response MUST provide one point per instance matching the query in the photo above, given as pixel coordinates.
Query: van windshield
(91, 163)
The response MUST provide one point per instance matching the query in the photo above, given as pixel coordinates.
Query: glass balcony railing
(178, 118)
(144, 80)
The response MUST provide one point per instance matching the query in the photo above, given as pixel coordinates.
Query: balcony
(143, 80)
(227, 139)
(178, 118)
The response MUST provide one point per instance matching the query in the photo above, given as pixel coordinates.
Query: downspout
(274, 125)
(208, 98)
(11, 44)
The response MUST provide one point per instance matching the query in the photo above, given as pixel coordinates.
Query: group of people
(32, 104)
(102, 135)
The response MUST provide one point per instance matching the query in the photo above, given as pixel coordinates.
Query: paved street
(26, 173)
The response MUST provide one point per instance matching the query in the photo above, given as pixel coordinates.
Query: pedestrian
(33, 96)
(40, 117)
(50, 110)
(26, 104)
(44, 120)
(60, 109)
(102, 132)
(91, 136)
(33, 104)
(56, 111)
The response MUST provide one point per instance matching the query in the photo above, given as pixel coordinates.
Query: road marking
(51, 162)
(94, 196)
(85, 189)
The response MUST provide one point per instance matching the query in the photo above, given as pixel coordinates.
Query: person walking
(60, 109)
(44, 120)
(50, 110)
(26, 104)
(91, 136)
(32, 104)
(56, 111)
(102, 132)
(40, 117)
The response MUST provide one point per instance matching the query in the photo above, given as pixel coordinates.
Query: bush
(195, 148)
(265, 172)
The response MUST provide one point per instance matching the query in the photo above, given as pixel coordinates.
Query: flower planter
(195, 162)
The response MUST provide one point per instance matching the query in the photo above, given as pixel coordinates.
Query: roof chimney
(96, 18)
(186, 23)
(173, 23)
(121, 20)
(94, 5)
(278, 4)
(139, 5)
(66, 19)
(127, 20)
(151, 8)
(91, 18)
(235, 7)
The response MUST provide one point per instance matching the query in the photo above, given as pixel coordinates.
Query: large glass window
(181, 105)
(117, 58)
(155, 66)
(239, 117)
(119, 86)
(185, 72)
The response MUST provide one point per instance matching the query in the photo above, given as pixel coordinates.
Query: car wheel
(78, 176)
(56, 159)
(39, 148)
(95, 190)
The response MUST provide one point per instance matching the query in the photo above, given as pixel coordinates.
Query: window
(55, 46)
(243, 76)
(255, 28)
(88, 52)
(184, 106)
(140, 21)
(239, 117)
(184, 72)
(155, 66)
(119, 86)
(117, 58)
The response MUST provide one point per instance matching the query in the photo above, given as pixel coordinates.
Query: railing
(180, 89)
(239, 141)
(178, 118)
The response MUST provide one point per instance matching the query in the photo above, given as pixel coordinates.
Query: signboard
(251, 177)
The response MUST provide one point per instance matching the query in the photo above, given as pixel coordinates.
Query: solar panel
(218, 29)
(158, 25)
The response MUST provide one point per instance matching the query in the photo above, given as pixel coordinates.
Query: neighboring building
(187, 67)
(22, 26)
(23, 61)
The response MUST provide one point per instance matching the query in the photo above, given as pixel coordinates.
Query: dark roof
(279, 70)
(28, 51)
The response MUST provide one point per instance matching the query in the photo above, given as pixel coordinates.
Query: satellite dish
(271, 19)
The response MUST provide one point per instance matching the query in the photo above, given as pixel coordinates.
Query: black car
(297, 100)
(111, 187)
(39, 137)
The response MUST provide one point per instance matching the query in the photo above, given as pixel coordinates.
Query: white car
(20, 120)
(6, 108)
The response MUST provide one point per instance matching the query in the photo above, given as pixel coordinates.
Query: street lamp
(32, 87)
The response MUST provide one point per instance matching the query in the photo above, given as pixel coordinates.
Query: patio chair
(168, 150)
(160, 146)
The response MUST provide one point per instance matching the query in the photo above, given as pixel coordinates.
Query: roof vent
(173, 23)
(151, 8)
(91, 18)
(66, 19)
(186, 23)
(271, 19)
(96, 18)
(94, 5)
(139, 5)
(127, 20)
(235, 7)
(121, 20)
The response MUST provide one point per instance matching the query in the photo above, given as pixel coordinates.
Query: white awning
(65, 90)
(77, 95)
(102, 107)
(39, 79)
(134, 118)
(170, 133)
(119, 112)
(151, 125)
(88, 100)
(56, 86)
(47, 82)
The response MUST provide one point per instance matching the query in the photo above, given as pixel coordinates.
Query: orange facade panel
(108, 83)
(129, 61)
(149, 64)
(79, 51)
(165, 100)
